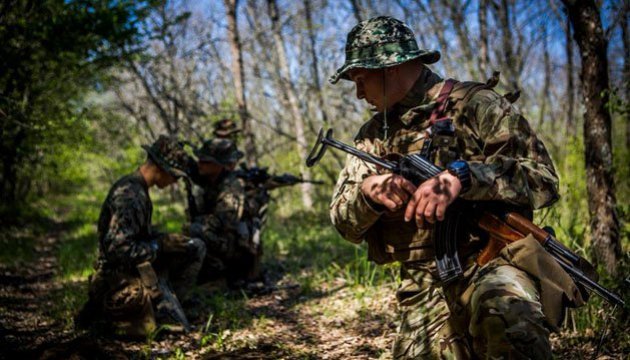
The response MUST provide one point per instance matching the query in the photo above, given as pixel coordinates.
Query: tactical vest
(440, 140)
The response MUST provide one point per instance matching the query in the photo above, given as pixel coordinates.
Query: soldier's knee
(507, 318)
(197, 248)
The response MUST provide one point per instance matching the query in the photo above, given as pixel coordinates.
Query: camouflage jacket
(124, 225)
(224, 199)
(508, 164)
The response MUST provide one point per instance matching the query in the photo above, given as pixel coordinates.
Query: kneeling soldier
(129, 289)
(219, 205)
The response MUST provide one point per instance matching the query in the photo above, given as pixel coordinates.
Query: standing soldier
(492, 155)
(218, 213)
(128, 290)
(226, 129)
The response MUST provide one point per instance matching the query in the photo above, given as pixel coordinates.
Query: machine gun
(260, 177)
(503, 227)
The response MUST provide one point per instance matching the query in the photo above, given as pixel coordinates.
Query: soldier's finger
(396, 198)
(420, 210)
(388, 203)
(429, 212)
(440, 211)
(406, 185)
(411, 206)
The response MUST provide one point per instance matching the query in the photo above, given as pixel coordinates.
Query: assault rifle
(503, 227)
(259, 176)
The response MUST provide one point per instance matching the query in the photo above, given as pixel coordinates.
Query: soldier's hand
(175, 243)
(389, 190)
(430, 200)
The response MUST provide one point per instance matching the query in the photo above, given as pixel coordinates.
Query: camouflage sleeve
(231, 202)
(350, 211)
(516, 167)
(123, 238)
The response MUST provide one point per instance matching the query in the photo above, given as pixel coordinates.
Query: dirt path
(280, 324)
(286, 322)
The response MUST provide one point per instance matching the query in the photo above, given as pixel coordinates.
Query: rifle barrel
(389, 165)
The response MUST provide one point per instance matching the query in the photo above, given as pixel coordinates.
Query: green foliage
(45, 76)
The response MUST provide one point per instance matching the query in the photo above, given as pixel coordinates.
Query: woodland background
(83, 83)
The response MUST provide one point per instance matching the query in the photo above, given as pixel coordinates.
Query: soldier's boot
(507, 321)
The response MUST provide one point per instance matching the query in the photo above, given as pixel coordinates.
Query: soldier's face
(369, 85)
(164, 179)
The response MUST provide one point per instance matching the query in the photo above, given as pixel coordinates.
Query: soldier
(226, 129)
(492, 155)
(218, 214)
(127, 291)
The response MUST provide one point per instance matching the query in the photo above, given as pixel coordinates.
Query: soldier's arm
(517, 168)
(231, 202)
(350, 211)
(123, 239)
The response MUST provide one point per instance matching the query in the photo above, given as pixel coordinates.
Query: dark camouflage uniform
(220, 206)
(493, 312)
(126, 239)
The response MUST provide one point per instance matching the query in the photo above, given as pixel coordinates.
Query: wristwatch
(460, 169)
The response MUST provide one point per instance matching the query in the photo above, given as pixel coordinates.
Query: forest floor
(312, 306)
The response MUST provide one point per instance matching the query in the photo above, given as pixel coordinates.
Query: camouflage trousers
(119, 302)
(231, 253)
(493, 312)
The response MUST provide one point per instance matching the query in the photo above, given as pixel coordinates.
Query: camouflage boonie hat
(222, 151)
(225, 128)
(169, 155)
(381, 42)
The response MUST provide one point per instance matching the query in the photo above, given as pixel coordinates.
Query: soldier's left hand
(432, 197)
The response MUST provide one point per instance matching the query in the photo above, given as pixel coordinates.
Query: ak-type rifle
(503, 227)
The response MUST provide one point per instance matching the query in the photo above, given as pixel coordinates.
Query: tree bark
(545, 95)
(484, 60)
(509, 60)
(294, 106)
(589, 35)
(239, 81)
(570, 122)
(356, 10)
(625, 35)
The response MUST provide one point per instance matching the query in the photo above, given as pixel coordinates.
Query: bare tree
(625, 36)
(545, 94)
(589, 35)
(356, 10)
(484, 59)
(165, 90)
(570, 122)
(290, 94)
(231, 7)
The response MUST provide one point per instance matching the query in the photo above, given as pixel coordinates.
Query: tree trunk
(546, 82)
(484, 60)
(314, 63)
(456, 11)
(507, 42)
(356, 10)
(625, 34)
(239, 81)
(291, 96)
(589, 35)
(570, 122)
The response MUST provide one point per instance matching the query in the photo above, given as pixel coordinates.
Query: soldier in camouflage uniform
(226, 129)
(118, 296)
(493, 312)
(219, 206)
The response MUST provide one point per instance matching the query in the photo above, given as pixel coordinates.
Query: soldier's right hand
(389, 190)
